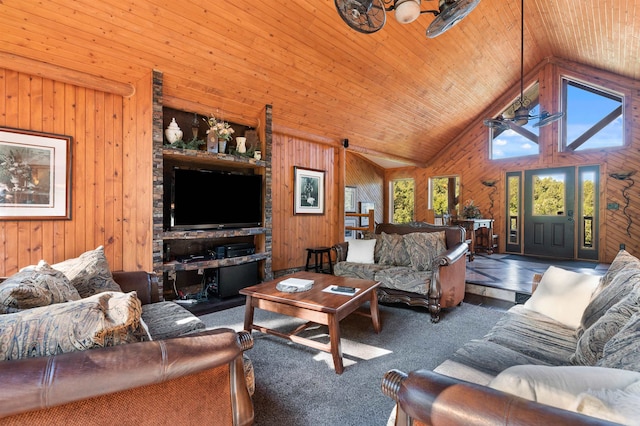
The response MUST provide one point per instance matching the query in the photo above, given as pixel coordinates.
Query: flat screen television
(208, 199)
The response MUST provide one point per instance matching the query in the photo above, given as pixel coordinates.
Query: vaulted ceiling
(395, 92)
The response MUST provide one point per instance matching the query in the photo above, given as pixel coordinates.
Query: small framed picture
(350, 199)
(365, 206)
(350, 234)
(35, 175)
(308, 191)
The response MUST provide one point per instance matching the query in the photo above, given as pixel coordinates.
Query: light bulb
(407, 11)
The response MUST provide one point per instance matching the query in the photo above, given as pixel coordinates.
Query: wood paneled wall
(369, 182)
(293, 234)
(111, 172)
(468, 157)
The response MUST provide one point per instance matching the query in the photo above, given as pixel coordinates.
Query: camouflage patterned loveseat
(418, 264)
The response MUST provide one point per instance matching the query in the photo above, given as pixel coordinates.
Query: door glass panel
(548, 195)
(513, 189)
(588, 200)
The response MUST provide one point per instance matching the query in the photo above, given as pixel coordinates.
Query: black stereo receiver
(239, 249)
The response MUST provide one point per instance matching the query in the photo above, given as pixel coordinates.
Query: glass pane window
(513, 191)
(548, 195)
(517, 139)
(588, 204)
(403, 191)
(593, 117)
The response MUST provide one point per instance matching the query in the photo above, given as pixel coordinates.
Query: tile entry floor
(499, 274)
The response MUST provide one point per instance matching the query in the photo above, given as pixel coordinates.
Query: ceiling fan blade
(365, 16)
(450, 14)
(547, 118)
(496, 123)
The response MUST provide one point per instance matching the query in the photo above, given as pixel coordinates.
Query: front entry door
(549, 212)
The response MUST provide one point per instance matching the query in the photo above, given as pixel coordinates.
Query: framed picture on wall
(350, 199)
(350, 234)
(35, 175)
(365, 206)
(308, 193)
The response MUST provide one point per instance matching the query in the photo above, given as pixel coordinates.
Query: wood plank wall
(293, 234)
(112, 176)
(368, 179)
(111, 169)
(468, 157)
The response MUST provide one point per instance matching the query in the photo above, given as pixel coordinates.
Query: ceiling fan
(369, 16)
(521, 115)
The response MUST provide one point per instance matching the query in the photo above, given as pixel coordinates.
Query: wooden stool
(318, 253)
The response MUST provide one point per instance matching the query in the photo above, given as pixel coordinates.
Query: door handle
(570, 215)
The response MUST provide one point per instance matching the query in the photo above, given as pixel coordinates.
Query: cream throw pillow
(560, 386)
(563, 295)
(361, 251)
(616, 405)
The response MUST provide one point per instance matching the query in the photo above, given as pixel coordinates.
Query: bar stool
(318, 255)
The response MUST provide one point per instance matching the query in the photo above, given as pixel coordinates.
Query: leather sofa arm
(429, 398)
(40, 383)
(145, 284)
(341, 251)
(452, 255)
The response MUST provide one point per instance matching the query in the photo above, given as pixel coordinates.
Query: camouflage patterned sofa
(418, 264)
(569, 355)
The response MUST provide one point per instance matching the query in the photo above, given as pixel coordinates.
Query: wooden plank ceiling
(393, 92)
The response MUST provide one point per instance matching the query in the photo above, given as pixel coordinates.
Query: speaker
(233, 278)
(345, 142)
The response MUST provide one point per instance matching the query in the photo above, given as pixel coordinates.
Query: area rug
(297, 385)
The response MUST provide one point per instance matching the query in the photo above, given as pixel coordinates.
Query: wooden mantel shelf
(200, 157)
(213, 263)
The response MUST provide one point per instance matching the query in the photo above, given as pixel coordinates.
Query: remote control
(343, 289)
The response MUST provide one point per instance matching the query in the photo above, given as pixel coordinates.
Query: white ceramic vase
(173, 132)
(241, 144)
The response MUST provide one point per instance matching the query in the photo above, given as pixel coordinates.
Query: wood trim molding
(65, 75)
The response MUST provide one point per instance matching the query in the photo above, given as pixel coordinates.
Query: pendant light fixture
(368, 16)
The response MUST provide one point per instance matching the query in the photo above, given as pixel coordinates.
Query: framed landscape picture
(350, 199)
(35, 175)
(365, 206)
(350, 234)
(308, 191)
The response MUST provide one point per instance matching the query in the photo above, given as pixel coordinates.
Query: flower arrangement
(222, 129)
(470, 210)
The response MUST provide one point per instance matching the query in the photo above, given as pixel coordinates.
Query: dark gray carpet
(297, 385)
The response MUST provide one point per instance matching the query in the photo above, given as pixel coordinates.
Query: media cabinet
(169, 244)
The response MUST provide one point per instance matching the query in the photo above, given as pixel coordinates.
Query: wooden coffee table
(316, 306)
